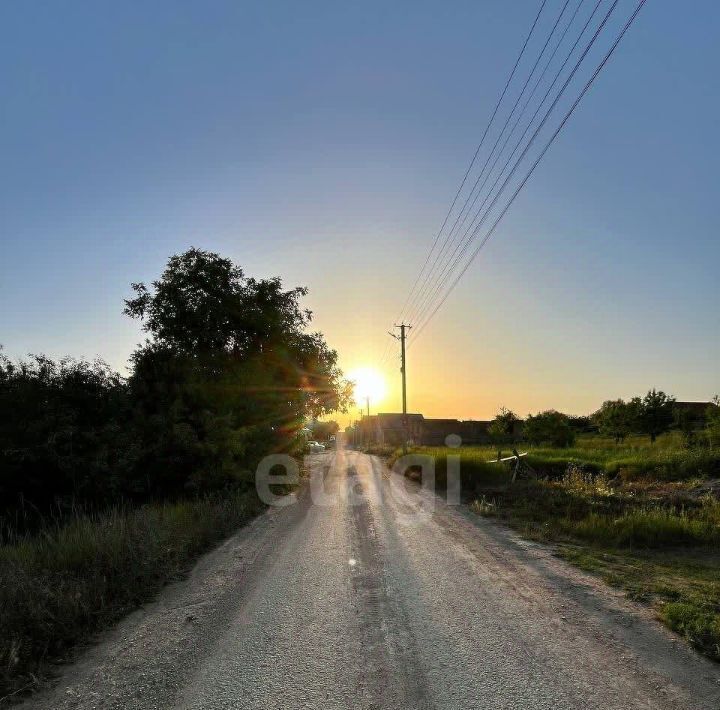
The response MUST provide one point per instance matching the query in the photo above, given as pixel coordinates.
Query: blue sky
(322, 142)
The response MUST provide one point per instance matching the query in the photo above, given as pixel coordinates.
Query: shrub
(549, 427)
(502, 428)
(63, 434)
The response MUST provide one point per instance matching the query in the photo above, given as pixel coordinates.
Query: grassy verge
(660, 548)
(684, 586)
(59, 587)
(634, 460)
(646, 519)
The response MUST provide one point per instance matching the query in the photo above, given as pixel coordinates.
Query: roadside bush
(64, 436)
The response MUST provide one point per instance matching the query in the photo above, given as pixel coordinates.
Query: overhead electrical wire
(452, 259)
(457, 256)
(463, 211)
(522, 184)
(422, 298)
(477, 152)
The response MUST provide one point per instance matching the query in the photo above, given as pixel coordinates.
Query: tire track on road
(391, 675)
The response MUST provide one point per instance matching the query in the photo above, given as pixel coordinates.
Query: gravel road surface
(382, 596)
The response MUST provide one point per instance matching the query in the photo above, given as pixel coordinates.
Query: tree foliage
(503, 427)
(322, 431)
(713, 421)
(549, 427)
(229, 372)
(64, 433)
(655, 413)
(581, 423)
(688, 422)
(617, 419)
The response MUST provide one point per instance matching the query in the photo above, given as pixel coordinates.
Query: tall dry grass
(76, 577)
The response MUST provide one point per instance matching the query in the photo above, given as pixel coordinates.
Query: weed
(61, 585)
(699, 626)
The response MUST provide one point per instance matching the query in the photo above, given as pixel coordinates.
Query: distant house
(435, 431)
(698, 410)
(475, 432)
(470, 431)
(365, 430)
(390, 428)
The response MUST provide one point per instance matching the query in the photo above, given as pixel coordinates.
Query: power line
(422, 297)
(449, 235)
(461, 247)
(453, 259)
(463, 213)
(498, 194)
(490, 232)
(474, 158)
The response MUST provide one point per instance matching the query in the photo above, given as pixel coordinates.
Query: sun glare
(368, 383)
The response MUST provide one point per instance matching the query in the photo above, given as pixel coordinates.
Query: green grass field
(635, 459)
(644, 517)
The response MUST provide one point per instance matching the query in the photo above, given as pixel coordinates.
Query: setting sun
(368, 383)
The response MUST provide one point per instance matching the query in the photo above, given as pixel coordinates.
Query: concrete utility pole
(403, 369)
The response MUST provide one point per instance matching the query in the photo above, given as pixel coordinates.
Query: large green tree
(617, 419)
(655, 413)
(502, 427)
(228, 374)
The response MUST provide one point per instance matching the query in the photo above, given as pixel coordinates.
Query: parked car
(315, 447)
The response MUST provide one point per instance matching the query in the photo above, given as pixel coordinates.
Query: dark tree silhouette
(228, 374)
(655, 413)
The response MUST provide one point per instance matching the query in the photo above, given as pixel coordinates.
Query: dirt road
(378, 601)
